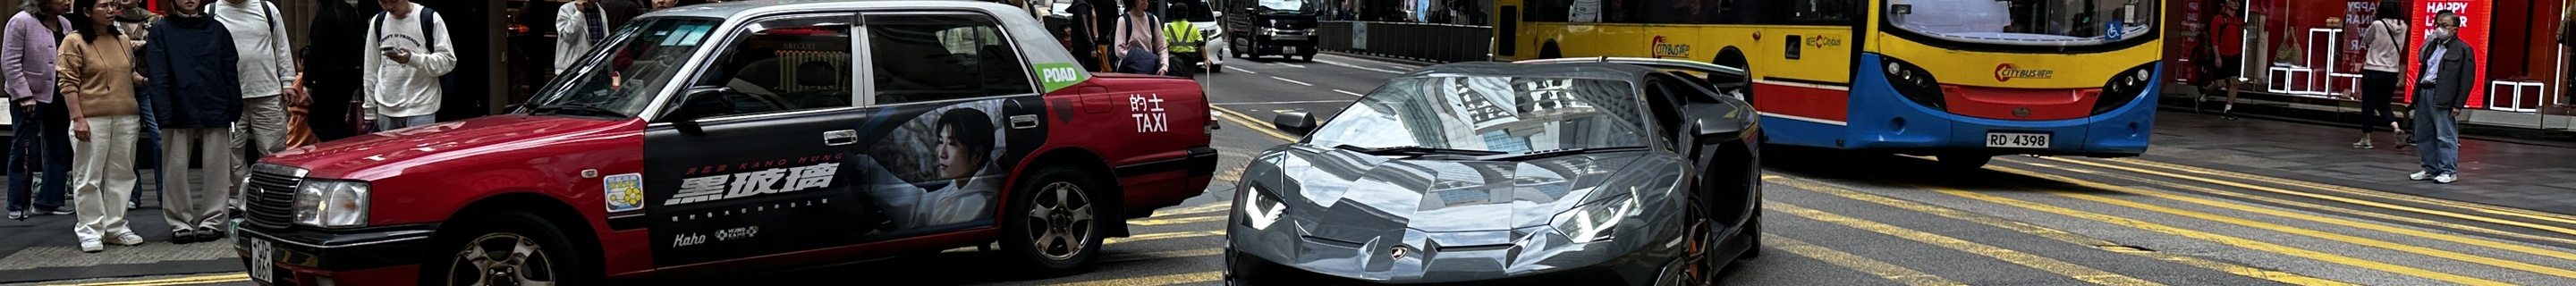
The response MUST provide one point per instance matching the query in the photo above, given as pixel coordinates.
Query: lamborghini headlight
(329, 203)
(1593, 221)
(1261, 209)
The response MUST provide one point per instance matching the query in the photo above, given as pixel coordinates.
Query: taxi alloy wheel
(505, 249)
(1053, 223)
(502, 259)
(1061, 221)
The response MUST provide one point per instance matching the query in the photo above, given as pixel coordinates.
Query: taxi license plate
(1288, 50)
(2017, 140)
(262, 261)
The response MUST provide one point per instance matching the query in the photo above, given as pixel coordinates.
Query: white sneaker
(91, 245)
(2419, 176)
(126, 239)
(2446, 178)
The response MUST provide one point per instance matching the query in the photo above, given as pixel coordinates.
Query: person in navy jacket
(195, 89)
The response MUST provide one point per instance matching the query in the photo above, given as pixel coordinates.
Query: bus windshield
(2026, 23)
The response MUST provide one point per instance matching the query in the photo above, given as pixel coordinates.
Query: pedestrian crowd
(97, 85)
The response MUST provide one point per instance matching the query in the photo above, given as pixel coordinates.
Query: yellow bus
(1961, 80)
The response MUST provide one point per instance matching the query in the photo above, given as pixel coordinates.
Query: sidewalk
(2528, 175)
(42, 248)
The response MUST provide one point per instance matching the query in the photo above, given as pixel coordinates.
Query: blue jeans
(2440, 137)
(389, 123)
(40, 139)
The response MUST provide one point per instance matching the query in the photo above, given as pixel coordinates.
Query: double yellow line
(2077, 271)
(1254, 124)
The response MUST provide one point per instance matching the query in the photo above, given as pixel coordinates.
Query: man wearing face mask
(2440, 92)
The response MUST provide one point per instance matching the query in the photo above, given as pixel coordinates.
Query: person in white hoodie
(402, 86)
(579, 25)
(266, 66)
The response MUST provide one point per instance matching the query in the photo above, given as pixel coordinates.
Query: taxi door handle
(1024, 121)
(840, 137)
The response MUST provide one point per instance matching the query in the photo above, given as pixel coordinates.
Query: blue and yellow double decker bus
(1961, 80)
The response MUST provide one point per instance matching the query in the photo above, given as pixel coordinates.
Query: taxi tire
(552, 240)
(1019, 246)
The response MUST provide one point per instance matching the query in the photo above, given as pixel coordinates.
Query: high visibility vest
(1184, 36)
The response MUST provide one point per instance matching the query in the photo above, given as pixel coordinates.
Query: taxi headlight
(329, 203)
(1592, 222)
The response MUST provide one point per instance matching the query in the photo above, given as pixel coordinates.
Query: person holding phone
(402, 86)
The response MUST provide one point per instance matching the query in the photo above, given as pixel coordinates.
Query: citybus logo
(2006, 72)
(1821, 41)
(1662, 49)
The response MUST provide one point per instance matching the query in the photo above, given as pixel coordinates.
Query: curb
(2184, 105)
(1390, 59)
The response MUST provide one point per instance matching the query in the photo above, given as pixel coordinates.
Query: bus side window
(1824, 11)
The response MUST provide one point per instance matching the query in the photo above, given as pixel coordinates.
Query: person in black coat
(1093, 21)
(339, 29)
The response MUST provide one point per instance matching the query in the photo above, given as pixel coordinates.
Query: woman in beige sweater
(96, 70)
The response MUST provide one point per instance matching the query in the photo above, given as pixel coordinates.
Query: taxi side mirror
(699, 102)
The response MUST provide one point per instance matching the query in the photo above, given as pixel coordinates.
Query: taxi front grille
(271, 197)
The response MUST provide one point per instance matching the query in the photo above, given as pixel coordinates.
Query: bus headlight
(1914, 83)
(2125, 86)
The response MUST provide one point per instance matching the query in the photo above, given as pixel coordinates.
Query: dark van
(1285, 28)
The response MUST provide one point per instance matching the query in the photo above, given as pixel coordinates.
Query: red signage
(2473, 30)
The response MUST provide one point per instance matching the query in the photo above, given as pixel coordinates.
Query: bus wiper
(1563, 152)
(1414, 150)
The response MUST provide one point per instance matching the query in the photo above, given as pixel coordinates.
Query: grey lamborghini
(1586, 171)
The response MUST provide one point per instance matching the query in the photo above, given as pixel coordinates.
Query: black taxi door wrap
(940, 167)
(953, 110)
(765, 175)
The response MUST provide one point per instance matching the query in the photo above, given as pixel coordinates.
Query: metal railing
(1439, 43)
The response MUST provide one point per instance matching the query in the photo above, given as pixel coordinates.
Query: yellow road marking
(2336, 221)
(2426, 251)
(1169, 221)
(2025, 228)
(2221, 239)
(1197, 277)
(2078, 272)
(2485, 208)
(2335, 198)
(1855, 262)
(203, 279)
(1162, 235)
(1248, 122)
(1122, 257)
(1195, 210)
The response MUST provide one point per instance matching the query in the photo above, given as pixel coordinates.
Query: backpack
(429, 29)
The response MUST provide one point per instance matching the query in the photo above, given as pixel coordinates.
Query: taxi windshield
(2034, 23)
(622, 76)
(1510, 115)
